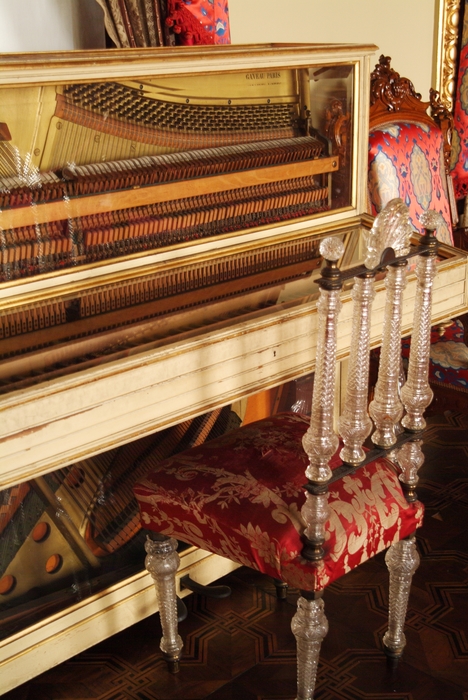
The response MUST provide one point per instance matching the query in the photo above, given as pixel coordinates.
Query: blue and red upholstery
(449, 357)
(406, 160)
(408, 149)
(240, 496)
(199, 21)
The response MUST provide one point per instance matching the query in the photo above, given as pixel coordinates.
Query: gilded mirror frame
(446, 49)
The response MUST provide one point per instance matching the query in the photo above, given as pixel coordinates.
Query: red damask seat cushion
(406, 161)
(240, 496)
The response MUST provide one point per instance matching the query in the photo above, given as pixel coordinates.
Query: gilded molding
(446, 50)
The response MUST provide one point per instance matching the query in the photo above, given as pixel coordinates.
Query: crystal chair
(290, 497)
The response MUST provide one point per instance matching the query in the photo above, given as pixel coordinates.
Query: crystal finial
(331, 248)
(431, 219)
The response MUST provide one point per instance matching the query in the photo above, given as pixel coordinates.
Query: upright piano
(160, 217)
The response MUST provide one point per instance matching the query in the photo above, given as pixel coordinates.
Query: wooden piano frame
(44, 427)
(55, 423)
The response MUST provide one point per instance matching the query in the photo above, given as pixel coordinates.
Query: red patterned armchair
(289, 497)
(408, 149)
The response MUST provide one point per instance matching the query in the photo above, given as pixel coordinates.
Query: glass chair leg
(309, 626)
(162, 562)
(402, 560)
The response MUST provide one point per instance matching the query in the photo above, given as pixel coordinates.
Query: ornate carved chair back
(409, 150)
(243, 496)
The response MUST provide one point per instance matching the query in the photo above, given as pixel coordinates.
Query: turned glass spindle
(416, 393)
(354, 424)
(386, 409)
(320, 442)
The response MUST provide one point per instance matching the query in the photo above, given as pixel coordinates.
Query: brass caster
(281, 589)
(173, 665)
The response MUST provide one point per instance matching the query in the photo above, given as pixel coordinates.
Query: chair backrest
(409, 150)
(388, 249)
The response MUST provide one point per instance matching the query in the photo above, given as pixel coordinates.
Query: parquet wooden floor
(241, 648)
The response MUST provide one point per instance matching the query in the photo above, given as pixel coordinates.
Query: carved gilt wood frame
(446, 41)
